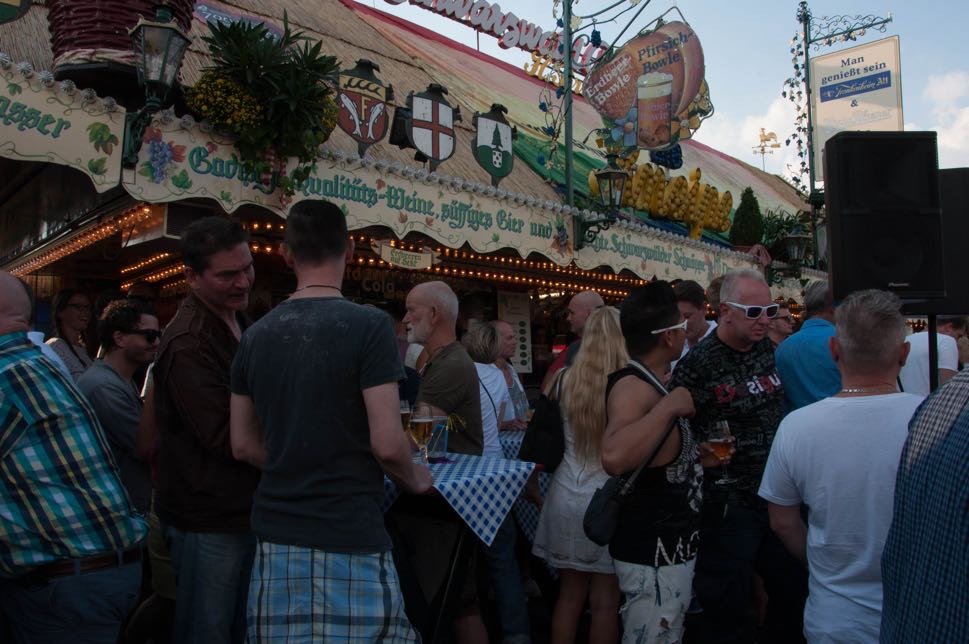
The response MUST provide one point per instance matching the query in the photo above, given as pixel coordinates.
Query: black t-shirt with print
(743, 388)
(659, 522)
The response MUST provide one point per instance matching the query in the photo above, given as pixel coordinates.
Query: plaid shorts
(305, 595)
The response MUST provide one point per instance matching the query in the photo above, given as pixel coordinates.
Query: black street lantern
(796, 243)
(159, 46)
(612, 184)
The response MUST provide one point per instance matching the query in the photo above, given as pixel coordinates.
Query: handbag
(602, 515)
(544, 440)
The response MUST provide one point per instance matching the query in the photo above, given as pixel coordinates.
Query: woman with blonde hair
(585, 570)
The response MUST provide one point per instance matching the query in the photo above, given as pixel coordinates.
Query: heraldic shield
(492, 143)
(363, 105)
(430, 128)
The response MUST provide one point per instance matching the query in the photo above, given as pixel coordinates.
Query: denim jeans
(212, 584)
(510, 600)
(87, 608)
(736, 542)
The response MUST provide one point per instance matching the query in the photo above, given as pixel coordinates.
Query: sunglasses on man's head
(754, 311)
(681, 325)
(150, 335)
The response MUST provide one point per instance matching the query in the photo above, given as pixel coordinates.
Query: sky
(746, 46)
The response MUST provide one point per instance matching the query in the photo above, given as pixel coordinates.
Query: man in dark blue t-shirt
(315, 405)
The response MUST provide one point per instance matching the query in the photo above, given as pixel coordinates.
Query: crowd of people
(223, 481)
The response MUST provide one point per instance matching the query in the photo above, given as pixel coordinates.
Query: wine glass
(719, 441)
(420, 428)
(405, 413)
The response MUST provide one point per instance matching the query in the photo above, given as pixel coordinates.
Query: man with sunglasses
(780, 327)
(129, 338)
(732, 377)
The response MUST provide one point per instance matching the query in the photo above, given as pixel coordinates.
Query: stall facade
(410, 222)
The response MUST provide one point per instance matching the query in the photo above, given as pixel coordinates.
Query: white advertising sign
(856, 89)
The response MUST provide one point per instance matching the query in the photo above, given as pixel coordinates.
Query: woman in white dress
(585, 570)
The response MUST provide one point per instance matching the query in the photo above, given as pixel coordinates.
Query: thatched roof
(28, 38)
(410, 58)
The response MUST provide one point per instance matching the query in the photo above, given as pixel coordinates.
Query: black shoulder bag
(544, 440)
(602, 515)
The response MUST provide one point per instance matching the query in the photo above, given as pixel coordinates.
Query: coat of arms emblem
(363, 105)
(492, 143)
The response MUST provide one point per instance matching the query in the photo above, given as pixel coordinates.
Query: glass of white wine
(719, 440)
(420, 428)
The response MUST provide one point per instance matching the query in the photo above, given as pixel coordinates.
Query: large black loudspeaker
(954, 188)
(881, 193)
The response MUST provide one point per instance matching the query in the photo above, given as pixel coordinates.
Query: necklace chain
(883, 389)
(303, 288)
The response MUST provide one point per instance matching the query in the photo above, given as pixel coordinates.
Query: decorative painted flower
(624, 129)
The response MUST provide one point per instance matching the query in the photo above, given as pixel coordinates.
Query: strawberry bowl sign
(655, 84)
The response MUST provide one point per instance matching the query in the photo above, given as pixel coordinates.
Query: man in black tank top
(655, 545)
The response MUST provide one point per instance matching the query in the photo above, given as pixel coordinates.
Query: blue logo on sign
(882, 80)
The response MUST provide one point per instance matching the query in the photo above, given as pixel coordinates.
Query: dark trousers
(735, 542)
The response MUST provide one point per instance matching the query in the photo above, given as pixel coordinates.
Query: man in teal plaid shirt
(70, 545)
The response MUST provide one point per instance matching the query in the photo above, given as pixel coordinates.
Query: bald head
(14, 305)
(432, 312)
(580, 307)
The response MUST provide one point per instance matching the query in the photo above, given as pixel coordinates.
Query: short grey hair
(439, 295)
(870, 329)
(817, 298)
(731, 282)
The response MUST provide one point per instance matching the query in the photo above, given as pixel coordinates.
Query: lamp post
(826, 31)
(567, 34)
(159, 46)
(612, 185)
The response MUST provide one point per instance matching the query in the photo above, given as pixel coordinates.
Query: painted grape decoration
(160, 154)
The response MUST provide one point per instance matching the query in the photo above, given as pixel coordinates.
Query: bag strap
(481, 384)
(627, 485)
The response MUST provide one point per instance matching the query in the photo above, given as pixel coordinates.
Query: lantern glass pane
(605, 187)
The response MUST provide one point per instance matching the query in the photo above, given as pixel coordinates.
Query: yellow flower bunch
(224, 102)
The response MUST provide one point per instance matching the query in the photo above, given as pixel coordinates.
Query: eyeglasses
(754, 311)
(681, 325)
(150, 335)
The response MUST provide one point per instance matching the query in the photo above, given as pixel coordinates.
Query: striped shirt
(60, 495)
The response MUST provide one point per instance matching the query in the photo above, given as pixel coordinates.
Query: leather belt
(71, 567)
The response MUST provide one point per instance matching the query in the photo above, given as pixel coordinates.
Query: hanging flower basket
(271, 93)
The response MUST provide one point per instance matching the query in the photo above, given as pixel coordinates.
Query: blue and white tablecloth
(481, 490)
(526, 512)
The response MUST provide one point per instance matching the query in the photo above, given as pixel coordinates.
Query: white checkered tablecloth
(526, 512)
(480, 489)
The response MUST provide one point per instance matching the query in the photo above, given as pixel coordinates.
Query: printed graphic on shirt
(742, 388)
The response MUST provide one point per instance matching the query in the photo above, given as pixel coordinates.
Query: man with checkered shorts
(315, 406)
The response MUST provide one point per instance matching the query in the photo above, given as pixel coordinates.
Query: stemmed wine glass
(720, 443)
(421, 427)
(405, 412)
